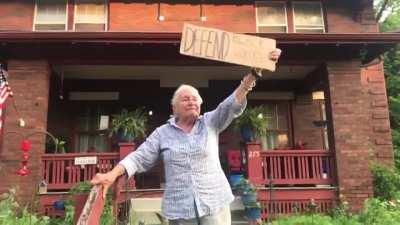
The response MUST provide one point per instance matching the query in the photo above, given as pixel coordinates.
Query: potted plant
(252, 123)
(249, 196)
(253, 211)
(129, 125)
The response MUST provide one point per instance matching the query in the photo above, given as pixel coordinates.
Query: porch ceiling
(130, 48)
(159, 72)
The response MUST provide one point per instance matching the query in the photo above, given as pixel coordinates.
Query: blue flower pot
(253, 213)
(124, 138)
(59, 205)
(248, 199)
(234, 179)
(247, 133)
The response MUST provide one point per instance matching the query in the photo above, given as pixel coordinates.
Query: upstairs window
(50, 15)
(90, 15)
(271, 17)
(308, 17)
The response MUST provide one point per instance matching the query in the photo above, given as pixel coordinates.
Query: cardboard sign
(214, 44)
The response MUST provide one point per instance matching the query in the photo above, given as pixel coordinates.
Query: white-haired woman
(196, 191)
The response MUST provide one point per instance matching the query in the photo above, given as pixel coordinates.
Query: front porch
(293, 166)
(287, 180)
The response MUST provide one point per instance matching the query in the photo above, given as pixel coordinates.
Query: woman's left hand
(275, 54)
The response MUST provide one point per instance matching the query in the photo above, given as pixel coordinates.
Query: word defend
(214, 44)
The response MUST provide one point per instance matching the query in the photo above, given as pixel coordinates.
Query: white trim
(309, 28)
(50, 23)
(106, 5)
(269, 25)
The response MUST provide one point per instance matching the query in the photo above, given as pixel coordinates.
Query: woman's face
(188, 105)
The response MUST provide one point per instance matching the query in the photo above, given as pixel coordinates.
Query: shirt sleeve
(226, 111)
(144, 157)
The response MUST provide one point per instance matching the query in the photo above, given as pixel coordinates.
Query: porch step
(148, 211)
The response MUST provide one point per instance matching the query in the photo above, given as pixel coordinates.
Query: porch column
(373, 82)
(29, 80)
(349, 112)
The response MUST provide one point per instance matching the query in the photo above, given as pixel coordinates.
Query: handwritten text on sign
(225, 46)
(88, 160)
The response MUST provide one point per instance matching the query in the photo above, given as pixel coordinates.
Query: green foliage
(392, 71)
(254, 117)
(130, 123)
(378, 212)
(81, 187)
(12, 214)
(386, 183)
(375, 212)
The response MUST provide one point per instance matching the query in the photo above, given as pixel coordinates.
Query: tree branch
(381, 9)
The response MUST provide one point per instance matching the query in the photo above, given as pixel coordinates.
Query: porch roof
(168, 37)
(295, 45)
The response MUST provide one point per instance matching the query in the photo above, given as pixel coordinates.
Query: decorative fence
(62, 171)
(289, 167)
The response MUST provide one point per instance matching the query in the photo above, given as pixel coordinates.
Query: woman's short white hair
(183, 87)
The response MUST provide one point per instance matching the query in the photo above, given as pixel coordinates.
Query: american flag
(5, 92)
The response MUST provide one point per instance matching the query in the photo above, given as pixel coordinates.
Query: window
(278, 126)
(90, 15)
(308, 17)
(271, 17)
(50, 15)
(88, 136)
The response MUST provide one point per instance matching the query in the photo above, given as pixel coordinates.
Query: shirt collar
(172, 122)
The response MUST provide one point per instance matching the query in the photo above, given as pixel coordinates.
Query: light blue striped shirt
(193, 171)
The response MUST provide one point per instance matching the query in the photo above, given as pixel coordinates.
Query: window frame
(106, 12)
(310, 28)
(285, 6)
(289, 118)
(35, 18)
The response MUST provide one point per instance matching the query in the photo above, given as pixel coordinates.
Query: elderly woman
(196, 191)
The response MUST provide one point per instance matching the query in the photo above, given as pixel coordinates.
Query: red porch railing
(60, 172)
(294, 167)
(279, 201)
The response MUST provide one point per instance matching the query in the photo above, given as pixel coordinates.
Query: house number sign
(254, 154)
(226, 46)
(88, 160)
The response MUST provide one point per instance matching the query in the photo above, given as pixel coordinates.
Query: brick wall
(304, 113)
(373, 82)
(29, 81)
(351, 125)
(341, 16)
(16, 15)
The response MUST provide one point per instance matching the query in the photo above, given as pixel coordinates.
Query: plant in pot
(252, 123)
(253, 211)
(129, 125)
(249, 195)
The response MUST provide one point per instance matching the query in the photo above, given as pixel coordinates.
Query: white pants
(222, 217)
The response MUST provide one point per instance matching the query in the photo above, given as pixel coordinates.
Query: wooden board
(93, 208)
(214, 44)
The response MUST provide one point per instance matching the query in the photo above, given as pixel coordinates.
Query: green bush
(386, 183)
(12, 214)
(375, 212)
(379, 212)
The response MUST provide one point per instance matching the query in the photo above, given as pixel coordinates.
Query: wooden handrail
(93, 208)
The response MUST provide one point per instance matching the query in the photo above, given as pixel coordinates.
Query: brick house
(71, 62)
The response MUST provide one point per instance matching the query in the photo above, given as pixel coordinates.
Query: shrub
(386, 183)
